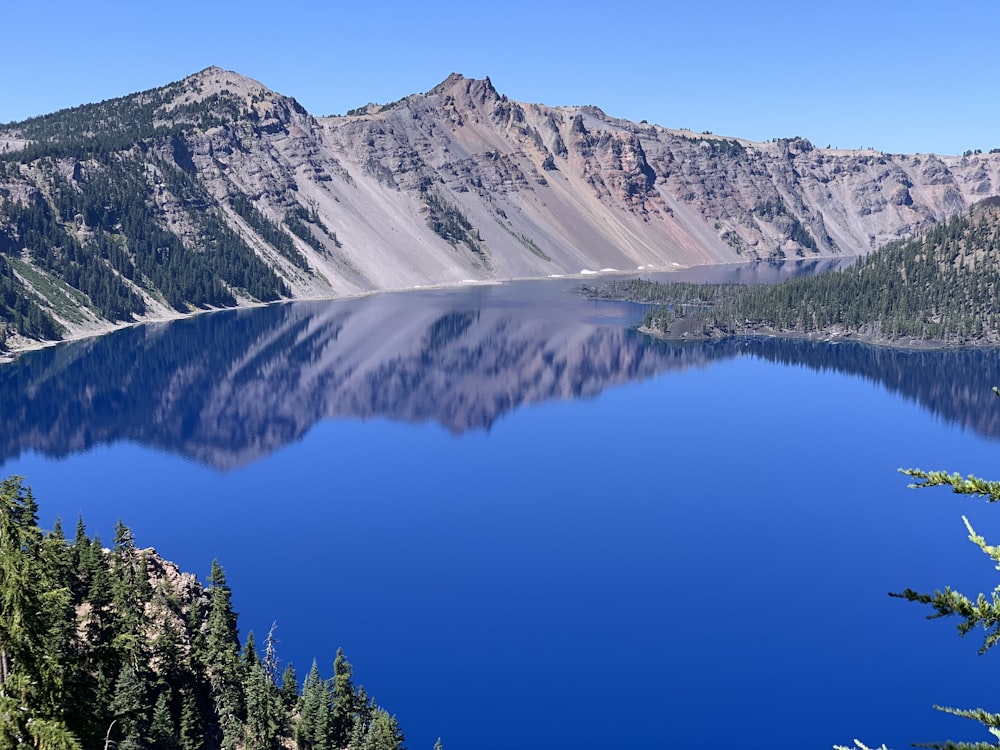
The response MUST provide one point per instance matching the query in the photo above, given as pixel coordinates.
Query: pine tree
(222, 660)
(381, 733)
(192, 736)
(312, 732)
(343, 701)
(51, 735)
(263, 709)
(127, 568)
(289, 690)
(163, 733)
(250, 657)
(130, 706)
(25, 678)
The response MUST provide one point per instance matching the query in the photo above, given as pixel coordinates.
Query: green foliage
(334, 714)
(35, 227)
(222, 260)
(271, 232)
(20, 310)
(531, 245)
(296, 220)
(390, 105)
(124, 244)
(717, 146)
(450, 224)
(265, 715)
(31, 679)
(983, 612)
(312, 731)
(379, 732)
(343, 704)
(222, 660)
(92, 655)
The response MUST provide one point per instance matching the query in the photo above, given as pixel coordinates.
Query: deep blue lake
(530, 526)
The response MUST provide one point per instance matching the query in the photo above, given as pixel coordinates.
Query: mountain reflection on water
(228, 388)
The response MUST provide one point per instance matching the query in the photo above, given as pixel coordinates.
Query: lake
(530, 526)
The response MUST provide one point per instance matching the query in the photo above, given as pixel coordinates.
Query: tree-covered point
(116, 648)
(941, 287)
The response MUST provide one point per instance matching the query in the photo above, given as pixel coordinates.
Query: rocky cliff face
(455, 184)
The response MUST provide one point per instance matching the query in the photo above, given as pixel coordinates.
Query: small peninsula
(940, 289)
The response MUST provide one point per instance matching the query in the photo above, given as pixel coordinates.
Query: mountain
(215, 191)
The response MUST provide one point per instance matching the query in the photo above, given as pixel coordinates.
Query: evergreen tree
(263, 710)
(312, 732)
(126, 597)
(192, 735)
(343, 701)
(28, 681)
(222, 660)
(163, 733)
(130, 706)
(289, 690)
(250, 657)
(381, 733)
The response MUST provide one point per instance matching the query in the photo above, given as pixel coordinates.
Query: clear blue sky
(914, 76)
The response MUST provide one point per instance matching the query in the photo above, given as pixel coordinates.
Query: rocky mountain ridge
(254, 199)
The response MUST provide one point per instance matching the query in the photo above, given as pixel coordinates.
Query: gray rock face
(462, 183)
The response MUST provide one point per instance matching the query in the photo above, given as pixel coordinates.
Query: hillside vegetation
(941, 288)
(117, 648)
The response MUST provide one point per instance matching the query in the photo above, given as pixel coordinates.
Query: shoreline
(18, 345)
(829, 337)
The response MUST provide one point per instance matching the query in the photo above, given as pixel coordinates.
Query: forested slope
(117, 648)
(942, 288)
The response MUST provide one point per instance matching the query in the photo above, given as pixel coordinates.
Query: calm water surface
(529, 526)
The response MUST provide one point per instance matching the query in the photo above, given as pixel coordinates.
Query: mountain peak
(457, 81)
(213, 80)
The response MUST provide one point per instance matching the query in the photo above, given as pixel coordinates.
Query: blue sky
(897, 76)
